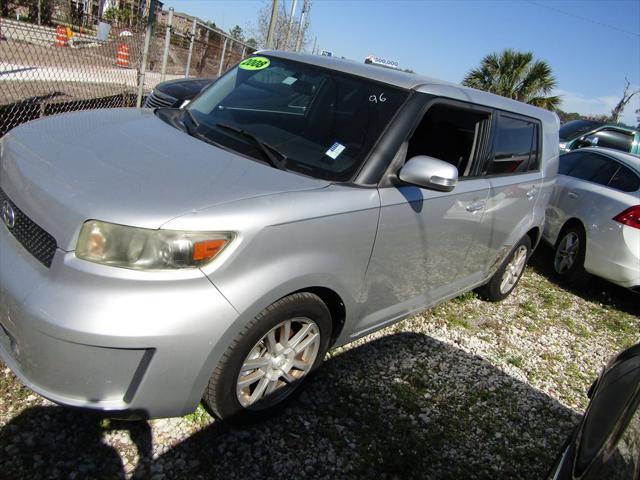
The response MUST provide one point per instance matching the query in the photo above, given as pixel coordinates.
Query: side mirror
(588, 141)
(429, 172)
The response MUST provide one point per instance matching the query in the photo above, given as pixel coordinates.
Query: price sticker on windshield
(254, 63)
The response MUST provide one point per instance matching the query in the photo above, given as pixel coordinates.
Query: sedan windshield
(575, 128)
(295, 116)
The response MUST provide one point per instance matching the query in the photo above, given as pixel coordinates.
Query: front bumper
(110, 339)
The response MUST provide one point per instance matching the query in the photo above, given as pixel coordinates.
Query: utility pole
(145, 52)
(301, 27)
(315, 41)
(167, 44)
(272, 23)
(293, 14)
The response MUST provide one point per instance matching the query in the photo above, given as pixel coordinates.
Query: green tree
(567, 116)
(236, 33)
(515, 75)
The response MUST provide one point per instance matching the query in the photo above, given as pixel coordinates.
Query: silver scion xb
(593, 218)
(153, 258)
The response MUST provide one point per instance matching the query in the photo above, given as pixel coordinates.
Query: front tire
(270, 360)
(508, 275)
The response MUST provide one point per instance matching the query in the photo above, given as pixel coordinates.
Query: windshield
(320, 122)
(575, 128)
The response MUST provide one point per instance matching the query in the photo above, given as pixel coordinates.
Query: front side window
(588, 166)
(515, 147)
(453, 134)
(318, 122)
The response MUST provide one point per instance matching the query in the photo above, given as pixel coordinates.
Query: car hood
(125, 166)
(184, 88)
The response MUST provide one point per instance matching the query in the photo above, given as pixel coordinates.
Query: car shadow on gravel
(401, 406)
(594, 289)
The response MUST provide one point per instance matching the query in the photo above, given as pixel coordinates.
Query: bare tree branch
(626, 98)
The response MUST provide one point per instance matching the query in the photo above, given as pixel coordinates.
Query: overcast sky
(591, 45)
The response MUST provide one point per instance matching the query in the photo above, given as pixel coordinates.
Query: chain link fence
(62, 55)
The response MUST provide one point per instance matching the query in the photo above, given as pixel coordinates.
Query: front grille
(33, 238)
(159, 100)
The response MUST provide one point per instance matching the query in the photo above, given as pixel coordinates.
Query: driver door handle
(531, 193)
(572, 195)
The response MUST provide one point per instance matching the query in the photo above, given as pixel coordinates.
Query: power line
(586, 19)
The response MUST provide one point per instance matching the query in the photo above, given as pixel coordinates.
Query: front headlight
(145, 249)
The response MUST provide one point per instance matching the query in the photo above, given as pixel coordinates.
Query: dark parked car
(606, 443)
(174, 93)
(591, 133)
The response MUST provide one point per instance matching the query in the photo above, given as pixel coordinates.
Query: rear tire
(569, 254)
(270, 360)
(508, 275)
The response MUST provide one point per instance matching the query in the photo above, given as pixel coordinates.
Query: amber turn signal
(208, 249)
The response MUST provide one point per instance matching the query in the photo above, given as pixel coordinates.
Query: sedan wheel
(566, 253)
(282, 357)
(568, 259)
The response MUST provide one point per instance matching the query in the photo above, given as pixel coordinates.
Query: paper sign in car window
(335, 150)
(255, 63)
(289, 80)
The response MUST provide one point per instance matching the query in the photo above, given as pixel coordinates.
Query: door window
(515, 147)
(592, 167)
(453, 134)
(625, 180)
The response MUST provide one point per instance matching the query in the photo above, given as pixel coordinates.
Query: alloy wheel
(277, 362)
(566, 253)
(513, 269)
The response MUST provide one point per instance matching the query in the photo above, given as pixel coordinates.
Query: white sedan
(593, 219)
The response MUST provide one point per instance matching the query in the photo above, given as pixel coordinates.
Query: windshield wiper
(266, 149)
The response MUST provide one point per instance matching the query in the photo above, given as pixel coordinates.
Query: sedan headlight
(145, 249)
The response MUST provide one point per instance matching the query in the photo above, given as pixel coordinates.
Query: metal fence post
(145, 52)
(191, 40)
(224, 50)
(167, 43)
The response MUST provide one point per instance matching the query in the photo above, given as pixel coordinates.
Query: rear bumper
(109, 339)
(613, 253)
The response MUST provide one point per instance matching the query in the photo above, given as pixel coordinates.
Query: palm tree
(515, 75)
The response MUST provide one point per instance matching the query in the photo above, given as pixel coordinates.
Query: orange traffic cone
(62, 40)
(122, 59)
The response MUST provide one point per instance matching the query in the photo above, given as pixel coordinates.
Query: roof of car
(412, 81)
(630, 159)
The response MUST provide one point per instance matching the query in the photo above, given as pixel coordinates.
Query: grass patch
(529, 308)
(200, 417)
(516, 361)
(465, 297)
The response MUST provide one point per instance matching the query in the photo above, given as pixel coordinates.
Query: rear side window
(625, 180)
(515, 146)
(614, 139)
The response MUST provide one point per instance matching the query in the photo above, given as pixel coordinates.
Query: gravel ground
(468, 389)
